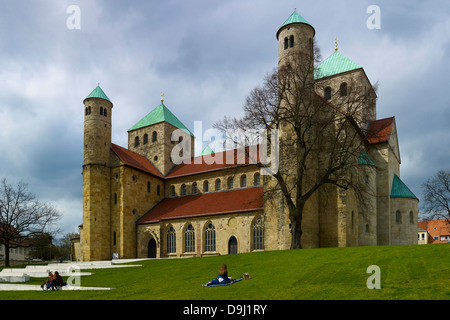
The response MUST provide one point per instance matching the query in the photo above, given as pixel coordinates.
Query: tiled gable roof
(214, 203)
(135, 160)
(400, 190)
(379, 131)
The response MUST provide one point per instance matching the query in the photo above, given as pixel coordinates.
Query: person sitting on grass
(57, 281)
(48, 282)
(222, 277)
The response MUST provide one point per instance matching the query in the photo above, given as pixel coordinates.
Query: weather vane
(335, 42)
(162, 97)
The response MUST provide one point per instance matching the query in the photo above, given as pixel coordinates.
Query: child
(48, 282)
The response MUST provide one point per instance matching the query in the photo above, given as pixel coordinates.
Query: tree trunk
(6, 255)
(296, 229)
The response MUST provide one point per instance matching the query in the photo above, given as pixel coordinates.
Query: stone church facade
(138, 203)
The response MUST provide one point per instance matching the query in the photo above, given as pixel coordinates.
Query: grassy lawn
(407, 273)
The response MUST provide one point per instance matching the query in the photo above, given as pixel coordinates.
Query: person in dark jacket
(57, 281)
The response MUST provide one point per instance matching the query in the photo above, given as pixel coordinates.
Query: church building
(138, 203)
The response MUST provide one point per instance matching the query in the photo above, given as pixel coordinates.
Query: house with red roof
(156, 198)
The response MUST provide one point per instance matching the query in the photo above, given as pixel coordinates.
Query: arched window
(210, 238)
(367, 228)
(205, 186)
(230, 183)
(258, 234)
(171, 240)
(327, 93)
(398, 217)
(343, 89)
(136, 141)
(145, 138)
(411, 217)
(104, 112)
(194, 188)
(189, 239)
(158, 190)
(115, 198)
(172, 191)
(89, 110)
(291, 41)
(257, 179)
(243, 181)
(154, 136)
(101, 111)
(148, 186)
(183, 190)
(286, 43)
(218, 185)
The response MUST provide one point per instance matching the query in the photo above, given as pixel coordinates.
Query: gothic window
(291, 41)
(210, 238)
(205, 186)
(136, 141)
(154, 136)
(327, 93)
(194, 188)
(218, 185)
(230, 183)
(145, 138)
(189, 239)
(343, 89)
(258, 234)
(286, 43)
(398, 217)
(183, 190)
(243, 181)
(171, 240)
(257, 179)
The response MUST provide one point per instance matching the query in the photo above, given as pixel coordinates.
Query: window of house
(411, 217)
(148, 186)
(205, 186)
(230, 183)
(172, 191)
(145, 138)
(398, 217)
(291, 41)
(158, 190)
(104, 112)
(343, 89)
(183, 190)
(257, 179)
(258, 234)
(101, 111)
(171, 240)
(243, 181)
(218, 185)
(286, 43)
(210, 238)
(194, 188)
(189, 239)
(327, 93)
(154, 136)
(136, 141)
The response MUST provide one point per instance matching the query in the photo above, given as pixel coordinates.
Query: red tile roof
(380, 130)
(135, 160)
(216, 161)
(234, 201)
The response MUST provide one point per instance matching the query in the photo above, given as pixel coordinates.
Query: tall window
(343, 89)
(398, 217)
(205, 186)
(194, 188)
(210, 238)
(218, 185)
(286, 43)
(171, 240)
(154, 136)
(183, 190)
(230, 183)
(243, 181)
(172, 191)
(148, 186)
(291, 41)
(136, 141)
(189, 239)
(258, 234)
(327, 93)
(145, 139)
(411, 217)
(257, 179)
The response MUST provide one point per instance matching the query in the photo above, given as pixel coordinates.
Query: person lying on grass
(222, 277)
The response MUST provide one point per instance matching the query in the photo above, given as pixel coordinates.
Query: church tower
(96, 176)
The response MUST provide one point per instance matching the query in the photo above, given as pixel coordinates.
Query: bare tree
(22, 216)
(436, 194)
(319, 142)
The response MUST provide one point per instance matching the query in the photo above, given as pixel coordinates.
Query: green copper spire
(400, 190)
(98, 93)
(160, 114)
(335, 64)
(295, 17)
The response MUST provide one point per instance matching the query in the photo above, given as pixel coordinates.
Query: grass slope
(407, 273)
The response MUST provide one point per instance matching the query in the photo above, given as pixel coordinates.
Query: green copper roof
(295, 17)
(365, 159)
(207, 151)
(335, 64)
(400, 190)
(160, 114)
(98, 93)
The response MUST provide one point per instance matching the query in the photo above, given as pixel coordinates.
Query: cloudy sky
(205, 56)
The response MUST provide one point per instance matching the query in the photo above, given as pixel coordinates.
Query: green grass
(407, 273)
